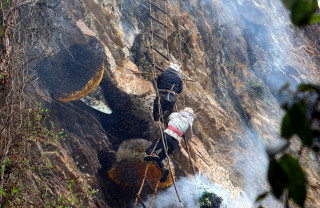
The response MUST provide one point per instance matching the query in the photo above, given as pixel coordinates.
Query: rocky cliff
(235, 55)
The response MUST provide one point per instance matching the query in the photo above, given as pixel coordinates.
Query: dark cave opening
(122, 124)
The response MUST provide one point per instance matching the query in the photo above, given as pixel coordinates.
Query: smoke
(190, 191)
(273, 44)
(252, 163)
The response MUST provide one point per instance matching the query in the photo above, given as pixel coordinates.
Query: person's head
(189, 113)
(175, 67)
(189, 110)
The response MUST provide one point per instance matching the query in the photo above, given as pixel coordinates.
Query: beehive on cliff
(73, 72)
(129, 168)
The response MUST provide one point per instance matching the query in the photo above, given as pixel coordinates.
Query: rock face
(239, 53)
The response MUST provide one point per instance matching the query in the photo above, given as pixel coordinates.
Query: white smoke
(190, 191)
(269, 25)
(252, 162)
(264, 24)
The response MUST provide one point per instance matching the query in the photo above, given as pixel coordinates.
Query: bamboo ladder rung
(156, 6)
(158, 21)
(138, 198)
(161, 54)
(141, 202)
(150, 185)
(158, 67)
(158, 36)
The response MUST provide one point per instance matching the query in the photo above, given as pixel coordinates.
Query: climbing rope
(154, 74)
(144, 179)
(96, 124)
(152, 18)
(182, 64)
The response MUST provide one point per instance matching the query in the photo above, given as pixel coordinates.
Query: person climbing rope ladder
(179, 124)
(169, 84)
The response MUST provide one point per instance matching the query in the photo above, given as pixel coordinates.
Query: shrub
(210, 200)
(258, 89)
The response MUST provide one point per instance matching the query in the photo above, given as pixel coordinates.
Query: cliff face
(239, 53)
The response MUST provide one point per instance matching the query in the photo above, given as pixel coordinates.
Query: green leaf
(309, 87)
(301, 122)
(13, 191)
(3, 192)
(262, 196)
(277, 178)
(296, 178)
(315, 18)
(302, 12)
(289, 3)
(296, 122)
(261, 206)
(286, 127)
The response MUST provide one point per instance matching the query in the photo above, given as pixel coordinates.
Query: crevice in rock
(122, 124)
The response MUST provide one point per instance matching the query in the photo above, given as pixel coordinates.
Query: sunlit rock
(227, 47)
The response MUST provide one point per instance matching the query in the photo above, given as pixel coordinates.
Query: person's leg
(156, 115)
(168, 108)
(173, 144)
(159, 163)
(154, 143)
(162, 154)
(165, 173)
(157, 158)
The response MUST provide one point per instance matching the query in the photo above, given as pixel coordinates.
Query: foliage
(303, 12)
(29, 141)
(210, 200)
(285, 174)
(4, 4)
(296, 122)
(302, 118)
(34, 162)
(258, 89)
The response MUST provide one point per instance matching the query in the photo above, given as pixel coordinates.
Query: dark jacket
(168, 78)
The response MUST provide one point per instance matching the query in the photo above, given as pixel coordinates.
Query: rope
(167, 44)
(154, 193)
(180, 49)
(97, 124)
(145, 176)
(181, 60)
(160, 115)
(174, 181)
(191, 163)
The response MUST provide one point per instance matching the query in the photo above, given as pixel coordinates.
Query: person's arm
(180, 87)
(188, 134)
(159, 80)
